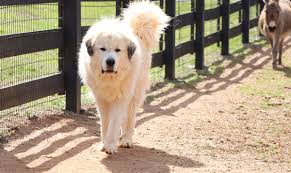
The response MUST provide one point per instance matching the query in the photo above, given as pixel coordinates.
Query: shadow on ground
(46, 142)
(11, 164)
(218, 82)
(285, 69)
(144, 160)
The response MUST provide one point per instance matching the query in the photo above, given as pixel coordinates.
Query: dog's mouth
(272, 28)
(110, 71)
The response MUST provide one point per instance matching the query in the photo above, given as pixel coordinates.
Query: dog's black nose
(110, 62)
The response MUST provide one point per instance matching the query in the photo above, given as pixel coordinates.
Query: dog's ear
(89, 46)
(131, 49)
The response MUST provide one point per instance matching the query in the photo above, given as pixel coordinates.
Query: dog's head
(272, 14)
(111, 49)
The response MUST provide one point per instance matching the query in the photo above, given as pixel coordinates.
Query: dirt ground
(211, 126)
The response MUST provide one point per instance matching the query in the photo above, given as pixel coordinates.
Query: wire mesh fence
(185, 64)
(19, 19)
(95, 10)
(28, 18)
(212, 53)
(254, 13)
(158, 73)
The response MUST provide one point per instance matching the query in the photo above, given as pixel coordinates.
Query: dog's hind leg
(128, 127)
(280, 52)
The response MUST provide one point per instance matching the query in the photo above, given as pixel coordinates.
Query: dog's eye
(103, 49)
(117, 50)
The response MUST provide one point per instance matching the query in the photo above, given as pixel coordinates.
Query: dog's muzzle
(110, 62)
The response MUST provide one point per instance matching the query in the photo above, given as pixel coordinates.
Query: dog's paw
(126, 143)
(109, 149)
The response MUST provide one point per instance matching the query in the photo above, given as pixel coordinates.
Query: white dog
(114, 62)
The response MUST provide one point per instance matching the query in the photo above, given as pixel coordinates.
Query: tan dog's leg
(117, 112)
(128, 127)
(103, 111)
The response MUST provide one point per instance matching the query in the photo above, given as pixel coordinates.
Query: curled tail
(147, 20)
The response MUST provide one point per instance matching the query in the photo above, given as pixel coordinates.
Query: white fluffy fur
(119, 95)
(145, 17)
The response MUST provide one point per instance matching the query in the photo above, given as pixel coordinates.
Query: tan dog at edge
(275, 25)
(114, 62)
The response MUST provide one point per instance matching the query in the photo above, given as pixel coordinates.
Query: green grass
(29, 18)
(271, 87)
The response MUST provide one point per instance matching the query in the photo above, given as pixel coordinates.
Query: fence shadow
(217, 83)
(47, 142)
(143, 160)
(11, 164)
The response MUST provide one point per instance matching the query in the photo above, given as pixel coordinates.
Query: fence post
(218, 22)
(246, 21)
(72, 35)
(192, 25)
(199, 43)
(169, 55)
(225, 28)
(61, 50)
(61, 25)
(118, 7)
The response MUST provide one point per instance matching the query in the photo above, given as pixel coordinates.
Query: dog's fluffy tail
(147, 20)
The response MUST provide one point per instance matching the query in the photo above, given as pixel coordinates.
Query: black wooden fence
(67, 39)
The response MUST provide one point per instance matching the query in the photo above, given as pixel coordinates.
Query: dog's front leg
(103, 110)
(128, 127)
(116, 115)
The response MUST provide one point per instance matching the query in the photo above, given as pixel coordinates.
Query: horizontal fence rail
(22, 93)
(27, 2)
(67, 38)
(12, 45)
(24, 2)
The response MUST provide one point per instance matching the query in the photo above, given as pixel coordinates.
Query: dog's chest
(110, 92)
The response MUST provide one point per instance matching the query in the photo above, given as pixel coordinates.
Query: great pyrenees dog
(114, 62)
